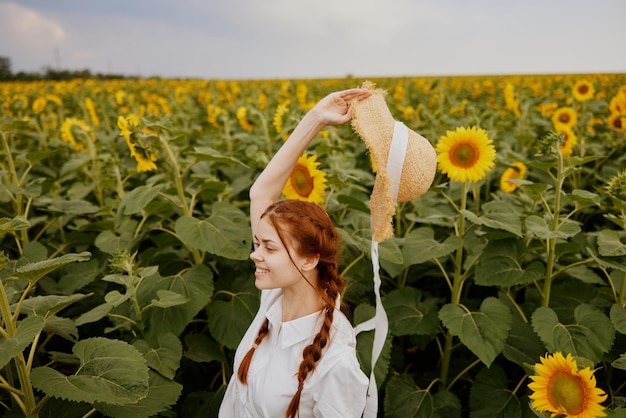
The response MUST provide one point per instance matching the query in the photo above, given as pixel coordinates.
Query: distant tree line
(6, 74)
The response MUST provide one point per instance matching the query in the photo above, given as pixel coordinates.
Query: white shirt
(336, 388)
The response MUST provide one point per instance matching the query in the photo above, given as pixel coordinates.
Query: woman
(298, 356)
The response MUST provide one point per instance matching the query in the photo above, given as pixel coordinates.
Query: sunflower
(93, 114)
(242, 117)
(565, 116)
(71, 126)
(510, 102)
(306, 182)
(583, 90)
(569, 139)
(277, 120)
(517, 171)
(144, 156)
(617, 122)
(617, 185)
(617, 103)
(39, 105)
(465, 154)
(560, 388)
(547, 109)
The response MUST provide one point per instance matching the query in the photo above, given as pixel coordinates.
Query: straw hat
(373, 121)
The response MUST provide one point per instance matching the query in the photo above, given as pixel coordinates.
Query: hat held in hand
(405, 161)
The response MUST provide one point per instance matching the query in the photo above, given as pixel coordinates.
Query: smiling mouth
(260, 271)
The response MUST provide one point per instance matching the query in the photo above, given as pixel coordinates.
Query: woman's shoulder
(343, 338)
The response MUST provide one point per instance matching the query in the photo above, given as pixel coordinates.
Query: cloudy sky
(255, 39)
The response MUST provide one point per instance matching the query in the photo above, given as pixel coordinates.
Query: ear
(310, 263)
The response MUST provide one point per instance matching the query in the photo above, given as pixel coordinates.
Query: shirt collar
(292, 332)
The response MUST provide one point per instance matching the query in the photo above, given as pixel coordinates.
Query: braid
(313, 352)
(242, 373)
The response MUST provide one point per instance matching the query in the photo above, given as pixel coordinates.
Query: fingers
(356, 93)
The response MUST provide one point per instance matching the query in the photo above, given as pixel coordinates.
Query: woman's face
(274, 268)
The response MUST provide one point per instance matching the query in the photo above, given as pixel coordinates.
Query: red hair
(311, 232)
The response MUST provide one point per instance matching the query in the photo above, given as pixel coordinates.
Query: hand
(334, 109)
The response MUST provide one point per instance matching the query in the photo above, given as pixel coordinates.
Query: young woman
(298, 357)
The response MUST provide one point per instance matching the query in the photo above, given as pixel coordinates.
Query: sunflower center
(565, 391)
(583, 89)
(302, 181)
(464, 155)
(564, 118)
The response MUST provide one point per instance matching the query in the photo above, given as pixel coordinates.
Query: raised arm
(331, 110)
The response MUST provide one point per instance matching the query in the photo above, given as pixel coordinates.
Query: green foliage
(125, 292)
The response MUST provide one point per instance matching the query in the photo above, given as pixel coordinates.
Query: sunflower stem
(554, 226)
(457, 288)
(622, 292)
(180, 190)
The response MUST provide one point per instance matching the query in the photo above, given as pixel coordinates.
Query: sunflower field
(124, 243)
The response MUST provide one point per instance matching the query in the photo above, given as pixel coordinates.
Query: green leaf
(138, 198)
(211, 154)
(35, 271)
(74, 277)
(590, 336)
(225, 233)
(111, 371)
(523, 346)
(162, 393)
(13, 224)
(202, 404)
(409, 314)
(497, 215)
(500, 264)
(353, 202)
(483, 332)
(94, 314)
(61, 408)
(490, 396)
(585, 198)
(610, 244)
(388, 250)
(229, 320)
(167, 299)
(202, 349)
(73, 207)
(620, 363)
(365, 343)
(605, 263)
(195, 284)
(115, 298)
(25, 333)
(110, 243)
(618, 318)
(404, 399)
(446, 405)
(420, 246)
(538, 226)
(51, 304)
(164, 356)
(63, 327)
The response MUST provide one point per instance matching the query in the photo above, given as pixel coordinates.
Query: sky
(295, 39)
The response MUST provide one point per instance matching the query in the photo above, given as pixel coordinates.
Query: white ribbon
(379, 323)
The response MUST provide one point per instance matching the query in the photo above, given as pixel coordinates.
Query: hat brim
(373, 122)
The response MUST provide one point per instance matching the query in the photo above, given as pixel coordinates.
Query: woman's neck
(300, 302)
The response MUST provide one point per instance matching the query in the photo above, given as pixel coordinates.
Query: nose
(255, 256)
